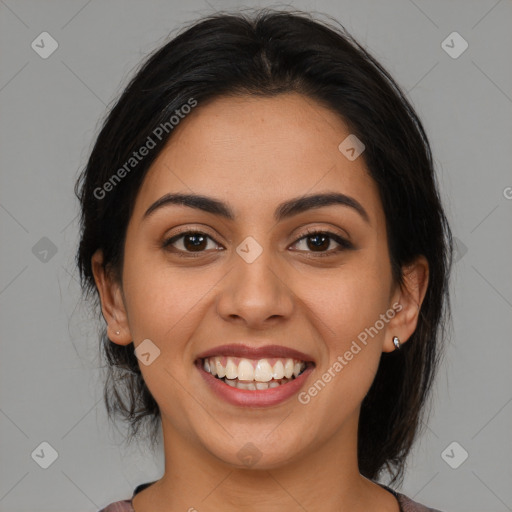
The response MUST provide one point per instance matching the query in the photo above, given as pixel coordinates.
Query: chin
(255, 452)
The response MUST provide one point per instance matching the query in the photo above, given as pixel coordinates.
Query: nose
(256, 294)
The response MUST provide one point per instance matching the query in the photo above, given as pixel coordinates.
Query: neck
(324, 478)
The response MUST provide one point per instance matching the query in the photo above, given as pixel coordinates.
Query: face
(272, 270)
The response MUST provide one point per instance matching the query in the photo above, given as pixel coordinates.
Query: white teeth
(241, 369)
(278, 370)
(263, 372)
(288, 368)
(245, 370)
(221, 371)
(253, 386)
(231, 369)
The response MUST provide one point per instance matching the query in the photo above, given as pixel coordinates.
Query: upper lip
(246, 351)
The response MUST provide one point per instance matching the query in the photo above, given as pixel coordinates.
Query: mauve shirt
(405, 503)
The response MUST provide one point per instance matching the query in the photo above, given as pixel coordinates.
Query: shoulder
(119, 506)
(125, 505)
(408, 505)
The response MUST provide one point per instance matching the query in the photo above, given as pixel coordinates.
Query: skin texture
(254, 153)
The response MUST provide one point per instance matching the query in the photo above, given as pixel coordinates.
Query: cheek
(164, 303)
(166, 306)
(350, 300)
(348, 312)
(347, 316)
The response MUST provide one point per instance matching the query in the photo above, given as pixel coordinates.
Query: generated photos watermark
(137, 156)
(304, 397)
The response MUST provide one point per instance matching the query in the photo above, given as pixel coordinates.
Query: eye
(319, 241)
(190, 241)
(193, 241)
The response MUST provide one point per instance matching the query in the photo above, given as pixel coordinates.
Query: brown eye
(189, 241)
(320, 241)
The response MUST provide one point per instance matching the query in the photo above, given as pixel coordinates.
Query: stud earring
(117, 332)
(396, 342)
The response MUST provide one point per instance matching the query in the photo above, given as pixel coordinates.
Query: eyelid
(187, 229)
(324, 230)
(322, 227)
(169, 240)
(343, 242)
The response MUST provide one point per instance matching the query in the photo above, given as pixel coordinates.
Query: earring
(396, 342)
(117, 332)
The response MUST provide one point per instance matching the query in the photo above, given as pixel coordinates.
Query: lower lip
(256, 398)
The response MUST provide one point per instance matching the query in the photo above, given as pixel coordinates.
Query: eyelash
(344, 244)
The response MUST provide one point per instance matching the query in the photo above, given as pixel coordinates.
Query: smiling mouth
(254, 374)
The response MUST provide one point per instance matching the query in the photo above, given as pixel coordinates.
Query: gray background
(51, 387)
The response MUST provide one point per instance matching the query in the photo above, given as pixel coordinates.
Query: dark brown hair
(268, 53)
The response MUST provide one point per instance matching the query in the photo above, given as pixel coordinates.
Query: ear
(410, 297)
(112, 303)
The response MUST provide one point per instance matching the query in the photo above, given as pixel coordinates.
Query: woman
(262, 226)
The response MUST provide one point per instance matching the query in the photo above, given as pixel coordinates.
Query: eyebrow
(283, 211)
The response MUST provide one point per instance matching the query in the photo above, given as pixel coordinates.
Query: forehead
(256, 152)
